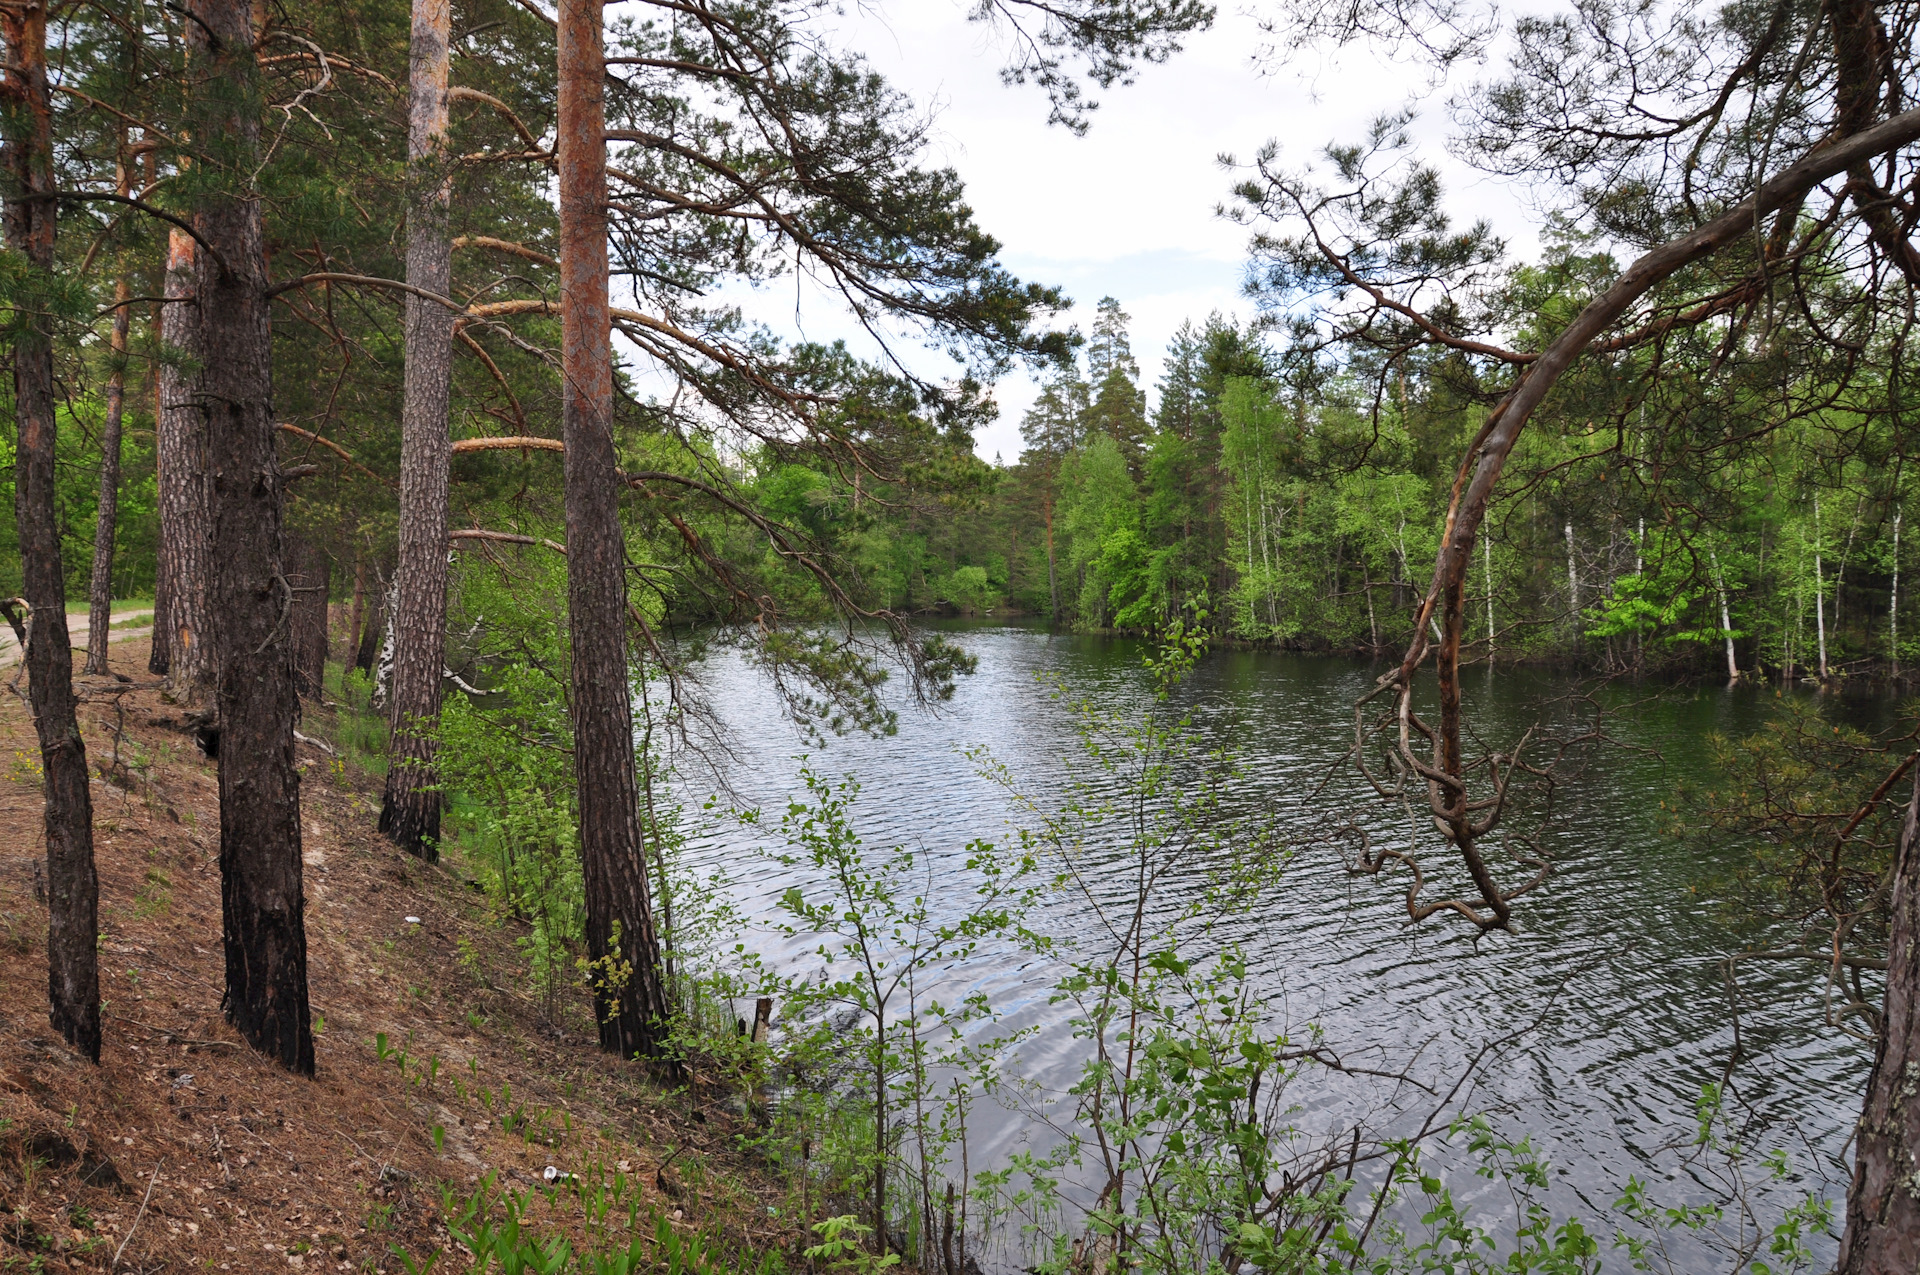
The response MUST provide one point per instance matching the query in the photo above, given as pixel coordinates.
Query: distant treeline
(1303, 510)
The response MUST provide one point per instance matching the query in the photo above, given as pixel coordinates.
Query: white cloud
(1129, 209)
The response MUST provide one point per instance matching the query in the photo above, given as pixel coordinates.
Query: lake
(1619, 954)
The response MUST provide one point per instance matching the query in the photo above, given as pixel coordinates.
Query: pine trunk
(185, 516)
(107, 508)
(159, 648)
(260, 873)
(73, 888)
(368, 647)
(1883, 1209)
(310, 577)
(410, 814)
(629, 1000)
(358, 611)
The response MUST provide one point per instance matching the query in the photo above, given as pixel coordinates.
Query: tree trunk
(629, 1000)
(159, 648)
(1882, 1236)
(410, 814)
(1573, 582)
(1486, 558)
(1819, 591)
(383, 663)
(1726, 615)
(310, 576)
(1053, 577)
(260, 873)
(185, 515)
(368, 649)
(107, 509)
(1893, 600)
(358, 612)
(73, 888)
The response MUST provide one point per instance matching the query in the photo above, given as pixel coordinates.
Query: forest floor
(184, 1150)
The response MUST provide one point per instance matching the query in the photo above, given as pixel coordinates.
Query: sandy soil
(186, 1150)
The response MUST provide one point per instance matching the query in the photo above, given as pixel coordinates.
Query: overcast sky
(1128, 210)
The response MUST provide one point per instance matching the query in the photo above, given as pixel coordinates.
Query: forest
(405, 476)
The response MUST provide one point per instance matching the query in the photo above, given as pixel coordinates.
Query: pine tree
(262, 896)
(410, 811)
(622, 946)
(1119, 406)
(73, 888)
(1052, 428)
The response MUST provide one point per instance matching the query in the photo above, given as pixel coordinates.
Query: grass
(358, 729)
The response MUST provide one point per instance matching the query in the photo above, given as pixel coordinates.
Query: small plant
(412, 1267)
(841, 1247)
(472, 962)
(155, 895)
(25, 768)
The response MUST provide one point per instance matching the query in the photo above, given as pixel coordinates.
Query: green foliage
(590, 1223)
(862, 1039)
(840, 1247)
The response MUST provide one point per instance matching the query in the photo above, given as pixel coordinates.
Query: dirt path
(78, 626)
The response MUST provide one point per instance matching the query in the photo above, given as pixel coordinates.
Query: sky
(1129, 209)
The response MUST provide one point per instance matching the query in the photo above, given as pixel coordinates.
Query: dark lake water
(1619, 954)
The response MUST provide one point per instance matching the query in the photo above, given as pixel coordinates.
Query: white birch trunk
(1819, 590)
(1573, 580)
(1486, 560)
(1893, 599)
(383, 666)
(1726, 617)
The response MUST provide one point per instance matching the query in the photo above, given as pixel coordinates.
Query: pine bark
(310, 577)
(185, 514)
(107, 508)
(629, 997)
(73, 888)
(262, 900)
(159, 649)
(1882, 1234)
(410, 814)
(358, 611)
(372, 632)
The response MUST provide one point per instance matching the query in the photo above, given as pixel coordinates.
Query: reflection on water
(1618, 954)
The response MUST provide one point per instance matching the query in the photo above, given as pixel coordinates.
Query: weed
(472, 962)
(13, 937)
(155, 895)
(26, 769)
